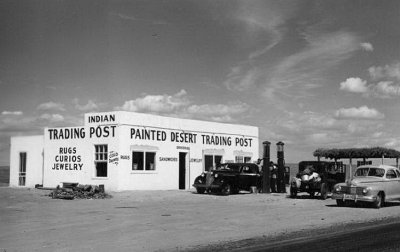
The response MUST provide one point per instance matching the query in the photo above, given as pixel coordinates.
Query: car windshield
(370, 171)
(228, 167)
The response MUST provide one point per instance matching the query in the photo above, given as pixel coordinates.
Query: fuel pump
(281, 168)
(266, 187)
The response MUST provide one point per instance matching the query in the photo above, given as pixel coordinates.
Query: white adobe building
(129, 151)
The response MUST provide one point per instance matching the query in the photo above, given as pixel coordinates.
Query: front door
(182, 170)
(22, 169)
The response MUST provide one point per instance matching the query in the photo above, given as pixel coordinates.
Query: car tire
(340, 203)
(380, 201)
(226, 189)
(324, 192)
(200, 190)
(293, 192)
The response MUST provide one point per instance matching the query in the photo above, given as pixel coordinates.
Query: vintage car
(229, 178)
(317, 177)
(371, 183)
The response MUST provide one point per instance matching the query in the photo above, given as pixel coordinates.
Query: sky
(312, 74)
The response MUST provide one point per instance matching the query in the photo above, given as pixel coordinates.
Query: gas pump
(266, 187)
(281, 168)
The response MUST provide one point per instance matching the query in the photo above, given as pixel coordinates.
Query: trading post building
(129, 151)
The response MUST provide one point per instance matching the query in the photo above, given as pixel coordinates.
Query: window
(390, 174)
(143, 161)
(211, 161)
(238, 159)
(249, 169)
(242, 159)
(100, 160)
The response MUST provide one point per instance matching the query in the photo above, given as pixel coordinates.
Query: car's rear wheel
(293, 192)
(226, 189)
(340, 202)
(379, 201)
(200, 190)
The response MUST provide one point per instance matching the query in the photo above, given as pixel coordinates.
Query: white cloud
(218, 112)
(90, 106)
(324, 51)
(391, 72)
(362, 112)
(157, 103)
(262, 21)
(179, 105)
(51, 106)
(388, 84)
(52, 118)
(387, 88)
(16, 113)
(240, 79)
(355, 85)
(367, 46)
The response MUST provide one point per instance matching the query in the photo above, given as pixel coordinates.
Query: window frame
(242, 159)
(145, 164)
(214, 157)
(100, 157)
(393, 173)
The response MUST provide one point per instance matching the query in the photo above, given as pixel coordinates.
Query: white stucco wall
(33, 146)
(69, 151)
(79, 151)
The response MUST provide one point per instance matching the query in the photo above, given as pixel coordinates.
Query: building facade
(129, 151)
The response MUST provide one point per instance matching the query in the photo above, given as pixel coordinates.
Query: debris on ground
(79, 191)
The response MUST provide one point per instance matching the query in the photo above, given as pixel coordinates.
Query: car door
(397, 185)
(248, 176)
(392, 184)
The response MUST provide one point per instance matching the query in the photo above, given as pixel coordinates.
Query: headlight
(366, 190)
(338, 188)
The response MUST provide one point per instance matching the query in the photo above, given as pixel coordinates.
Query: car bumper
(353, 197)
(212, 186)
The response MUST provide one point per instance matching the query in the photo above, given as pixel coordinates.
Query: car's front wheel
(200, 190)
(293, 192)
(226, 189)
(340, 202)
(379, 201)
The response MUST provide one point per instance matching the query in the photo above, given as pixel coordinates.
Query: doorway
(22, 169)
(182, 170)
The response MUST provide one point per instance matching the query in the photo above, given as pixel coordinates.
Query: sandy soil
(162, 220)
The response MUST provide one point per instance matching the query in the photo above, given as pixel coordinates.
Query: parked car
(374, 184)
(229, 178)
(317, 177)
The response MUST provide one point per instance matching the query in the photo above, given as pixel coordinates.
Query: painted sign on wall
(81, 133)
(188, 137)
(67, 159)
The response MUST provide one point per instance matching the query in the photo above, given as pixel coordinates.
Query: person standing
(274, 173)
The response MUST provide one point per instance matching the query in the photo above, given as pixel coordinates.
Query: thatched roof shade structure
(364, 153)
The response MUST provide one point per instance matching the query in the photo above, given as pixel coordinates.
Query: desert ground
(174, 220)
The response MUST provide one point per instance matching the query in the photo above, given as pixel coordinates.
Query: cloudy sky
(309, 73)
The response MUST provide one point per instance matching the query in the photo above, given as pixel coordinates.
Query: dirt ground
(163, 220)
